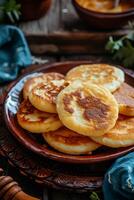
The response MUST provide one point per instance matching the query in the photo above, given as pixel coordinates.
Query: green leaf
(11, 5)
(11, 9)
(126, 55)
(130, 36)
(131, 24)
(122, 49)
(112, 45)
(94, 196)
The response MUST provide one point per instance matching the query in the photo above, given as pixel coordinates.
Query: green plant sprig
(94, 196)
(12, 9)
(122, 49)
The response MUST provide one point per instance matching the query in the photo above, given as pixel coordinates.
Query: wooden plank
(72, 42)
(88, 57)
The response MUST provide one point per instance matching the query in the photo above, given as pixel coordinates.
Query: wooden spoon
(10, 190)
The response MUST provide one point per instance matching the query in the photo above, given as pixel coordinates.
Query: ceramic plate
(35, 142)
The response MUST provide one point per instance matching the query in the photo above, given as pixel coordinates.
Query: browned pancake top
(66, 136)
(125, 95)
(124, 129)
(44, 78)
(53, 76)
(49, 91)
(94, 108)
(104, 72)
(29, 113)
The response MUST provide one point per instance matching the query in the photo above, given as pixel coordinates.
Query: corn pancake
(87, 108)
(105, 75)
(69, 142)
(125, 98)
(36, 121)
(43, 96)
(44, 78)
(122, 135)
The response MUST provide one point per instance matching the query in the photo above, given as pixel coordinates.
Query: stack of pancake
(77, 113)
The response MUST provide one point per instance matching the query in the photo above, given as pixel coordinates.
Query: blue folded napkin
(14, 52)
(119, 180)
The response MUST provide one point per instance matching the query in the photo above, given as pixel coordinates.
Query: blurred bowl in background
(33, 9)
(103, 19)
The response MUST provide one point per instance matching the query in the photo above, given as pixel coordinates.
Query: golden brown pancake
(122, 135)
(105, 75)
(67, 141)
(44, 78)
(36, 121)
(87, 108)
(125, 98)
(43, 96)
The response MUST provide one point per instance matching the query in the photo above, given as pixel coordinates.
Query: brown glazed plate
(35, 142)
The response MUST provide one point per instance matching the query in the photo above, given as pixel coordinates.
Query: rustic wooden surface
(62, 31)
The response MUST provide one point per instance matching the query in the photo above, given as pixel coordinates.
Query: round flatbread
(125, 98)
(105, 75)
(87, 108)
(69, 142)
(122, 135)
(36, 121)
(43, 96)
(44, 78)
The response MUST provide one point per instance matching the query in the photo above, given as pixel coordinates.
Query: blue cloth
(119, 180)
(14, 52)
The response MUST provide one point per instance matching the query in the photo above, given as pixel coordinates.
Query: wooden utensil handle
(10, 190)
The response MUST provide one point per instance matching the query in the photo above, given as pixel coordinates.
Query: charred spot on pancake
(26, 110)
(26, 107)
(94, 108)
(44, 78)
(67, 100)
(50, 90)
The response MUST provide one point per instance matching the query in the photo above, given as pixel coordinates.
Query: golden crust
(43, 96)
(87, 108)
(122, 135)
(36, 121)
(44, 78)
(67, 141)
(106, 75)
(125, 98)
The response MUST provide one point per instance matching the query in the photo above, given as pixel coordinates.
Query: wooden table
(59, 36)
